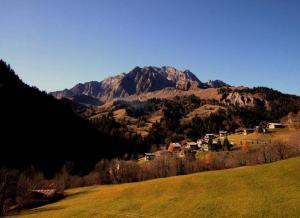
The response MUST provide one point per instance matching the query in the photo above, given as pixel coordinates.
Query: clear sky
(54, 44)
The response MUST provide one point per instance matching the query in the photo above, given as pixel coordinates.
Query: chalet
(208, 137)
(149, 156)
(199, 142)
(203, 145)
(275, 126)
(44, 193)
(174, 147)
(260, 129)
(223, 134)
(192, 146)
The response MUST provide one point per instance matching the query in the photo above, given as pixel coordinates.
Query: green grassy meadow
(271, 190)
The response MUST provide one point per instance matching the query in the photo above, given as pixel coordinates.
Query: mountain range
(142, 109)
(136, 82)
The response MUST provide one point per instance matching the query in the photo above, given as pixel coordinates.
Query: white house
(149, 156)
(223, 134)
(275, 126)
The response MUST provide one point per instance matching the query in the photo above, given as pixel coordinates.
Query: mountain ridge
(139, 81)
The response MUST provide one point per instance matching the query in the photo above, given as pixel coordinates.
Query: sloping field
(261, 139)
(202, 112)
(271, 190)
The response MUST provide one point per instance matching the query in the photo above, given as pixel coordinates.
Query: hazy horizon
(56, 44)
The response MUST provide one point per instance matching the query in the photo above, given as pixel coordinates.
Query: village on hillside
(223, 141)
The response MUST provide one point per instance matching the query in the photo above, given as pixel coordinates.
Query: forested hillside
(38, 130)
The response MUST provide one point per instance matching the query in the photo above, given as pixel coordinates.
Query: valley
(144, 109)
(165, 123)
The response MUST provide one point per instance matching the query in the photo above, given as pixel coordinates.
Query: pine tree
(210, 145)
(219, 145)
(226, 144)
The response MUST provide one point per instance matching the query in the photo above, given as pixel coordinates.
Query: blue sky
(54, 44)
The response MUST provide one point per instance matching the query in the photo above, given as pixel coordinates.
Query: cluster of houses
(180, 150)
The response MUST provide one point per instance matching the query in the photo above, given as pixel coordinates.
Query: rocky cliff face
(244, 99)
(139, 81)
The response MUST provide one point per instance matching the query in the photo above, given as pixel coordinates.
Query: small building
(43, 193)
(208, 137)
(199, 143)
(174, 147)
(275, 126)
(223, 134)
(149, 156)
(192, 146)
(260, 129)
(203, 145)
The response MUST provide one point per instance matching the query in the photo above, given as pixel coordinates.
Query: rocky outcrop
(243, 99)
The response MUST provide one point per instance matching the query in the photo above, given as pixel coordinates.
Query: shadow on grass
(76, 194)
(40, 210)
(39, 207)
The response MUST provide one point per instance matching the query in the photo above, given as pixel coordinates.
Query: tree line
(16, 186)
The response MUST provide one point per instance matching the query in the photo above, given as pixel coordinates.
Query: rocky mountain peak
(216, 84)
(138, 81)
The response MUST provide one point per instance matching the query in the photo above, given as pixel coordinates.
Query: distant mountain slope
(139, 81)
(38, 130)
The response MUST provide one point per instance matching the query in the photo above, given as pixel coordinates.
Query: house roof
(149, 154)
(48, 193)
(222, 131)
(191, 143)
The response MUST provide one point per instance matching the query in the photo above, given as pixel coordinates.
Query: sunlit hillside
(271, 190)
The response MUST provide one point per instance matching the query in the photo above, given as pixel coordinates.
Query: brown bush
(103, 169)
(75, 181)
(124, 171)
(28, 181)
(92, 178)
(294, 142)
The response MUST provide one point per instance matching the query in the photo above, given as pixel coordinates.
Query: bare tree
(282, 149)
(294, 141)
(103, 169)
